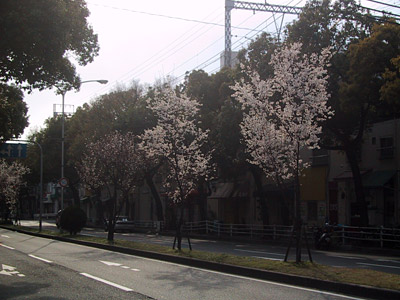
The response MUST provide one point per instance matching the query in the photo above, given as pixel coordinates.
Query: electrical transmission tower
(230, 4)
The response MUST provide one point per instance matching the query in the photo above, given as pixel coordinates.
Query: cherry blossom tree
(282, 115)
(180, 142)
(11, 180)
(113, 163)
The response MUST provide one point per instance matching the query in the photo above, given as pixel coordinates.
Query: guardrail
(158, 226)
(344, 235)
(45, 216)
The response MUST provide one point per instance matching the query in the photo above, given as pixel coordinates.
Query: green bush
(73, 219)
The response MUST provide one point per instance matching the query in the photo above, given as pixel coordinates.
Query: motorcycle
(323, 237)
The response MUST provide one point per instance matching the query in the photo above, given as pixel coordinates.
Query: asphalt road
(379, 261)
(38, 268)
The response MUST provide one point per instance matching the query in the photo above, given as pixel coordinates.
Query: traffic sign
(10, 150)
(63, 182)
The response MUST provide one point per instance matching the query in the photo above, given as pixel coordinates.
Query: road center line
(107, 282)
(8, 247)
(39, 258)
(375, 265)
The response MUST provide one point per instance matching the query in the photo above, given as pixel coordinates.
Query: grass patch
(307, 269)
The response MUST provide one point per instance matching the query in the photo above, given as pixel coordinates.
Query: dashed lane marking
(107, 282)
(40, 258)
(8, 247)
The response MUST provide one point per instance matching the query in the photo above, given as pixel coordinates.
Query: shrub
(73, 219)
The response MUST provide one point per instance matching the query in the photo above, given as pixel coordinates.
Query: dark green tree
(13, 112)
(37, 39)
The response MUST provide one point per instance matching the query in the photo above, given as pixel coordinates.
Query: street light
(101, 81)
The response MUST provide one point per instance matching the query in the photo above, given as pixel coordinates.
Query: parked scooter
(323, 237)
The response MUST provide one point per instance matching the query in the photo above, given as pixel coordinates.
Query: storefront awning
(378, 179)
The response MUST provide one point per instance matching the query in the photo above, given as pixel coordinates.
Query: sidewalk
(350, 249)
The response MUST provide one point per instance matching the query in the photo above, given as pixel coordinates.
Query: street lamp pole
(101, 81)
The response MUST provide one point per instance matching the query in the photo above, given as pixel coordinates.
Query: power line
(161, 15)
(380, 11)
(383, 3)
(166, 51)
(208, 62)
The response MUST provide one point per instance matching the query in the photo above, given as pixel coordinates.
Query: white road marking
(109, 263)
(10, 271)
(247, 278)
(107, 282)
(39, 258)
(388, 260)
(375, 265)
(125, 267)
(6, 236)
(8, 247)
(135, 270)
(269, 258)
(348, 257)
(259, 252)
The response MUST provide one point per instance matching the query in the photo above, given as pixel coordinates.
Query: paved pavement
(350, 290)
(37, 268)
(376, 259)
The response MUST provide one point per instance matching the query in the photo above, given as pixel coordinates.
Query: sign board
(9, 150)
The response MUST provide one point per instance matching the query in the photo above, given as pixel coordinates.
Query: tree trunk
(351, 154)
(298, 222)
(179, 229)
(112, 216)
(99, 208)
(260, 194)
(156, 196)
(110, 235)
(75, 193)
(202, 200)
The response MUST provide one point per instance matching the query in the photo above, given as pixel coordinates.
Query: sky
(151, 40)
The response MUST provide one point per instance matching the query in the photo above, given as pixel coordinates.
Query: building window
(386, 148)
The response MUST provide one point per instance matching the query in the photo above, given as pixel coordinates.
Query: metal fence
(343, 235)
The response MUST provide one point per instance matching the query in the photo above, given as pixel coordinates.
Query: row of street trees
(249, 118)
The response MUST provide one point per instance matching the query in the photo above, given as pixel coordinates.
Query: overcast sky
(149, 40)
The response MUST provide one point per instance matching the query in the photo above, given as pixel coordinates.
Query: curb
(306, 282)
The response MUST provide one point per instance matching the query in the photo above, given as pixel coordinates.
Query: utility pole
(231, 4)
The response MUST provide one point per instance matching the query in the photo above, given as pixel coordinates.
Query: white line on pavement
(348, 257)
(259, 252)
(8, 247)
(6, 236)
(388, 260)
(39, 258)
(249, 278)
(375, 265)
(107, 282)
(269, 258)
